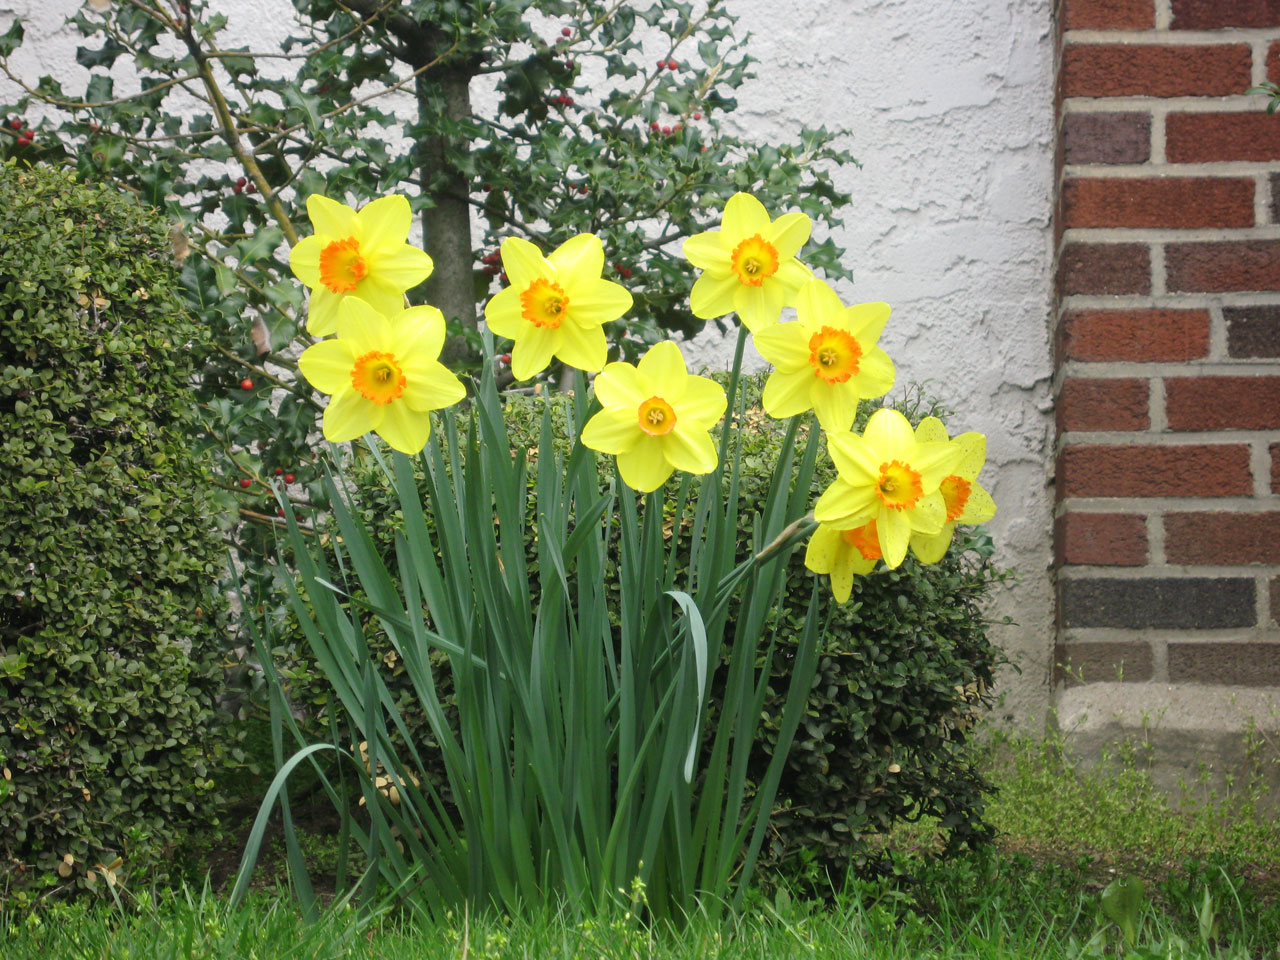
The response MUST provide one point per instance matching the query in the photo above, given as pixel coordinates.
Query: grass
(1210, 874)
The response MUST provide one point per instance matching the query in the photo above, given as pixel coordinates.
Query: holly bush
(111, 622)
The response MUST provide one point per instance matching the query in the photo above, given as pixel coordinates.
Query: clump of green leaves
(109, 543)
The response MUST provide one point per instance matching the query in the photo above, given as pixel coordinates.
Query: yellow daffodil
(556, 305)
(384, 374)
(357, 255)
(827, 360)
(842, 554)
(749, 264)
(887, 475)
(966, 501)
(657, 418)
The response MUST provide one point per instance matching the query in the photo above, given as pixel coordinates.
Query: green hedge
(907, 669)
(110, 551)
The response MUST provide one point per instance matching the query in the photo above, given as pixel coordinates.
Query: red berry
(672, 65)
(245, 482)
(655, 126)
(488, 187)
(28, 134)
(279, 470)
(661, 64)
(251, 188)
(241, 182)
(566, 32)
(505, 358)
(289, 478)
(505, 278)
(23, 141)
(16, 124)
(625, 271)
(280, 511)
(666, 129)
(697, 116)
(246, 384)
(678, 127)
(237, 189)
(568, 101)
(583, 188)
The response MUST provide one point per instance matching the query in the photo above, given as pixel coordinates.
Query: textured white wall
(949, 108)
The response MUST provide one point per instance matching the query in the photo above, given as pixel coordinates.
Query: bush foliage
(109, 547)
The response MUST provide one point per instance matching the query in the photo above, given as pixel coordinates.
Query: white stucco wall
(949, 108)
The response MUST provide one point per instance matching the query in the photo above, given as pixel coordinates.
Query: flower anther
(899, 486)
(543, 303)
(754, 260)
(865, 539)
(378, 377)
(955, 493)
(342, 266)
(657, 417)
(834, 355)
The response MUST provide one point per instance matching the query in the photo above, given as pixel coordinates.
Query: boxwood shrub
(110, 551)
(907, 670)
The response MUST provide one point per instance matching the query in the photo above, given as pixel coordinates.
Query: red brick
(1253, 332)
(1109, 14)
(1275, 600)
(1275, 468)
(1273, 62)
(1245, 664)
(1105, 662)
(1178, 202)
(1150, 70)
(1218, 137)
(1095, 470)
(1104, 268)
(1106, 138)
(1222, 403)
(1222, 538)
(1100, 539)
(1217, 267)
(1103, 405)
(1216, 14)
(1141, 335)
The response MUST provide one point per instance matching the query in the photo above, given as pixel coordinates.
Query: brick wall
(1167, 343)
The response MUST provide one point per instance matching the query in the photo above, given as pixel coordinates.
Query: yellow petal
(332, 219)
(820, 555)
(974, 446)
(846, 505)
(703, 403)
(979, 508)
(643, 467)
(836, 405)
(842, 575)
(401, 269)
(383, 298)
(690, 449)
(364, 327)
(597, 301)
(744, 216)
(385, 224)
(712, 295)
(535, 346)
(854, 459)
(662, 370)
(786, 346)
(405, 429)
(787, 394)
(932, 548)
(502, 313)
(866, 321)
(817, 304)
(707, 251)
(618, 385)
(523, 262)
(928, 515)
(611, 431)
(876, 374)
(583, 347)
(322, 312)
(895, 533)
(419, 332)
(935, 461)
(429, 385)
(789, 233)
(577, 259)
(931, 430)
(889, 434)
(349, 415)
(327, 365)
(758, 307)
(791, 275)
(304, 260)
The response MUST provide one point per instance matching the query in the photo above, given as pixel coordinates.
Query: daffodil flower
(842, 554)
(657, 418)
(827, 360)
(384, 374)
(965, 499)
(886, 475)
(556, 306)
(357, 255)
(749, 265)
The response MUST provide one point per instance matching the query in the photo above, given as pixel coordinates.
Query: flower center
(754, 260)
(865, 539)
(378, 377)
(657, 417)
(834, 354)
(899, 486)
(544, 303)
(955, 492)
(341, 266)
